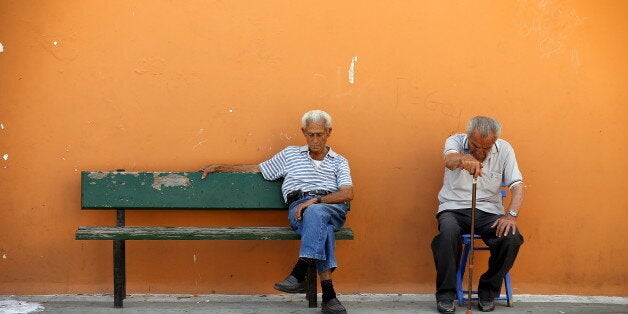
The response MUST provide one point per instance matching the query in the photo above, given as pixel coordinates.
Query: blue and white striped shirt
(299, 171)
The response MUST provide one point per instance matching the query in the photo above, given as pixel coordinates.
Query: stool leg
(460, 274)
(508, 289)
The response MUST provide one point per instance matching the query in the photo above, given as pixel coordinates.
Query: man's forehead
(476, 138)
(315, 127)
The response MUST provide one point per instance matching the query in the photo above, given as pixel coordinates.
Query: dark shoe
(291, 285)
(446, 306)
(486, 306)
(333, 306)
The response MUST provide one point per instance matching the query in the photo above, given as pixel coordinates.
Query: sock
(300, 269)
(328, 290)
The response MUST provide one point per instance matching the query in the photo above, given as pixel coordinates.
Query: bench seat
(195, 233)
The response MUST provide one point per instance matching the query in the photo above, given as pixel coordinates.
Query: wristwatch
(512, 213)
(319, 199)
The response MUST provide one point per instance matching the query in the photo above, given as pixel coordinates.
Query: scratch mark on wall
(354, 60)
(97, 175)
(554, 22)
(5, 156)
(198, 144)
(171, 180)
(575, 59)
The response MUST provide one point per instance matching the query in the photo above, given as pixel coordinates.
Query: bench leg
(119, 273)
(311, 294)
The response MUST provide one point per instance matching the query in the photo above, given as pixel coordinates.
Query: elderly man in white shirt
(483, 155)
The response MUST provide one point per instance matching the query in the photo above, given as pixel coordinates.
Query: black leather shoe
(333, 306)
(291, 285)
(486, 306)
(446, 306)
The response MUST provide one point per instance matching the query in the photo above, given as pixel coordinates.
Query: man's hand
(469, 163)
(207, 170)
(298, 214)
(504, 225)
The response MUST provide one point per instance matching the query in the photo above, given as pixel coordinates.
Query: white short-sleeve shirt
(500, 167)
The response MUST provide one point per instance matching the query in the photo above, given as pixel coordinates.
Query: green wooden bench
(122, 191)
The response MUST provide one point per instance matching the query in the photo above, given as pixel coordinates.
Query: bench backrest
(174, 190)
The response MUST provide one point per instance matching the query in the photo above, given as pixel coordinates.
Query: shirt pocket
(492, 181)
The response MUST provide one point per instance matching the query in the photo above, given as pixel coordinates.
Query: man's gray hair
(486, 126)
(316, 116)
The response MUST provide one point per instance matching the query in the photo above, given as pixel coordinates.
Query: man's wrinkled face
(479, 146)
(316, 136)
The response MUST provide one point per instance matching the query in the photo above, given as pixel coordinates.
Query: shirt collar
(330, 152)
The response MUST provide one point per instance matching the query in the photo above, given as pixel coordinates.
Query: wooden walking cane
(471, 238)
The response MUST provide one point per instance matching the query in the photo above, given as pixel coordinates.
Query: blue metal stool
(461, 293)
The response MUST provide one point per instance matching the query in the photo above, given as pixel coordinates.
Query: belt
(298, 194)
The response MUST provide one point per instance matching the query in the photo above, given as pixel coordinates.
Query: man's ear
(329, 132)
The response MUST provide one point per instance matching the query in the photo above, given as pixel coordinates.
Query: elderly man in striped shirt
(317, 184)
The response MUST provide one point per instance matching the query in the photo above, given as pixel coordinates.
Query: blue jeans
(316, 228)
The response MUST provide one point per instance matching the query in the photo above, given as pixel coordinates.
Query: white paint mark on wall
(4, 256)
(15, 306)
(55, 43)
(194, 258)
(1, 48)
(5, 156)
(1, 126)
(230, 110)
(354, 60)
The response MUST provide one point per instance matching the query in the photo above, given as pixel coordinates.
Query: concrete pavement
(363, 303)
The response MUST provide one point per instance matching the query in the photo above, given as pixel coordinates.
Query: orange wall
(173, 85)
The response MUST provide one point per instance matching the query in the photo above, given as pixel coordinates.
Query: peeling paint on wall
(171, 180)
(354, 60)
(5, 156)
